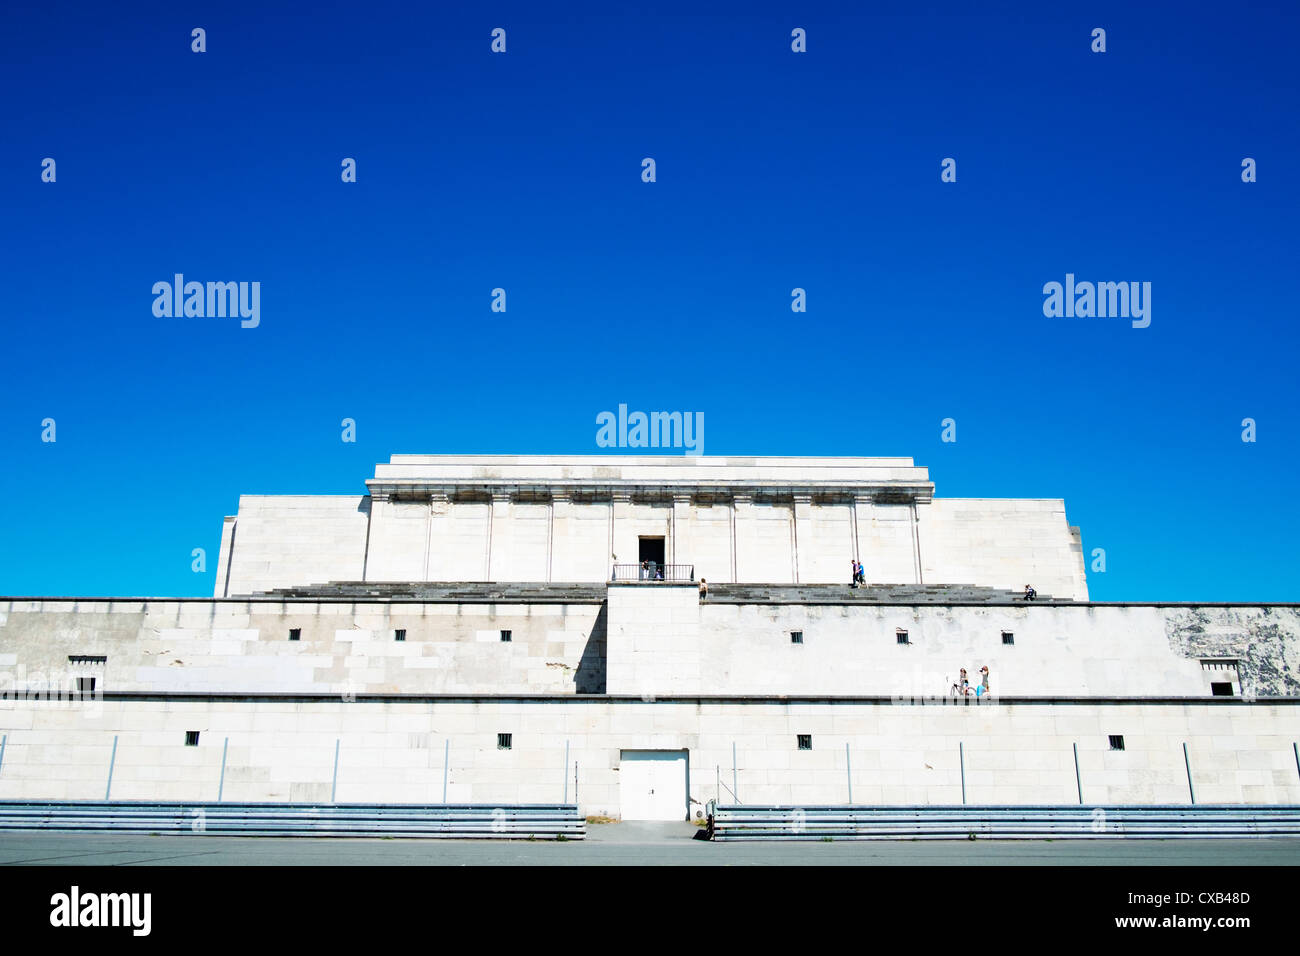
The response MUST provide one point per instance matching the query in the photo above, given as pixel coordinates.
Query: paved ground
(656, 844)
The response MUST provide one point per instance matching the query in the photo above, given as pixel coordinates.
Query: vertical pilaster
(916, 537)
(620, 507)
(853, 528)
(439, 510)
(428, 536)
(679, 551)
(562, 499)
(376, 502)
(498, 536)
(801, 520)
(740, 507)
(862, 534)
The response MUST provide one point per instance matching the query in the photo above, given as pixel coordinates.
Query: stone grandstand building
(503, 630)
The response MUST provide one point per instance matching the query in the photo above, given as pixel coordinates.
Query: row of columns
(679, 546)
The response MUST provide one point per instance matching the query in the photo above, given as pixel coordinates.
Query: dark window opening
(399, 634)
(504, 741)
(1008, 637)
(1116, 741)
(902, 637)
(805, 741)
(650, 555)
(507, 637)
(796, 637)
(191, 738)
(1221, 689)
(295, 633)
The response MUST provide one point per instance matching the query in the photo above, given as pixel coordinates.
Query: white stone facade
(657, 640)
(558, 519)
(244, 647)
(1020, 753)
(782, 663)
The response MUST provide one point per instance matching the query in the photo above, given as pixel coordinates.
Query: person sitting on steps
(1030, 593)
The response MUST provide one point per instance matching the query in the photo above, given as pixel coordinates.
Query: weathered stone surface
(1265, 640)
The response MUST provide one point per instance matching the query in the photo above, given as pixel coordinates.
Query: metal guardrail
(652, 572)
(447, 821)
(1000, 822)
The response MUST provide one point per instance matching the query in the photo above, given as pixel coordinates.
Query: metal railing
(447, 821)
(650, 572)
(1001, 822)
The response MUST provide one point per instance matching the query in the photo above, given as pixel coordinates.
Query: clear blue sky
(775, 170)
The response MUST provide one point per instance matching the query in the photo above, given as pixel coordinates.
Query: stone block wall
(293, 541)
(653, 639)
(1015, 752)
(245, 646)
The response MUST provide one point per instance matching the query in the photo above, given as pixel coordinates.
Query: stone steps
(541, 591)
(441, 591)
(870, 594)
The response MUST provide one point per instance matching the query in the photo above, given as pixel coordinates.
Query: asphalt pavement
(625, 844)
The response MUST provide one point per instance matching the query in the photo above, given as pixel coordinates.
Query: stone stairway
(523, 591)
(542, 592)
(870, 594)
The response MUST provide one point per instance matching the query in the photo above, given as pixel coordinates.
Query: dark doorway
(651, 555)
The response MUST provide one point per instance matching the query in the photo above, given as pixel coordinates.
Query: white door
(652, 784)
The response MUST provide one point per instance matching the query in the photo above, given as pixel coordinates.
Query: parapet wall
(664, 640)
(342, 648)
(1013, 753)
(651, 639)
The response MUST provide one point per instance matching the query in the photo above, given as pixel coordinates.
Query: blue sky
(775, 170)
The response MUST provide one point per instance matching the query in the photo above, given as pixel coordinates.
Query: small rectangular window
(1116, 741)
(505, 637)
(85, 685)
(399, 634)
(902, 637)
(1217, 688)
(191, 738)
(805, 741)
(1008, 637)
(796, 637)
(504, 741)
(295, 633)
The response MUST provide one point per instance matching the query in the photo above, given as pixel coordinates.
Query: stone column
(438, 504)
(917, 505)
(498, 555)
(620, 506)
(740, 505)
(862, 534)
(679, 550)
(801, 519)
(377, 502)
(440, 525)
(560, 501)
